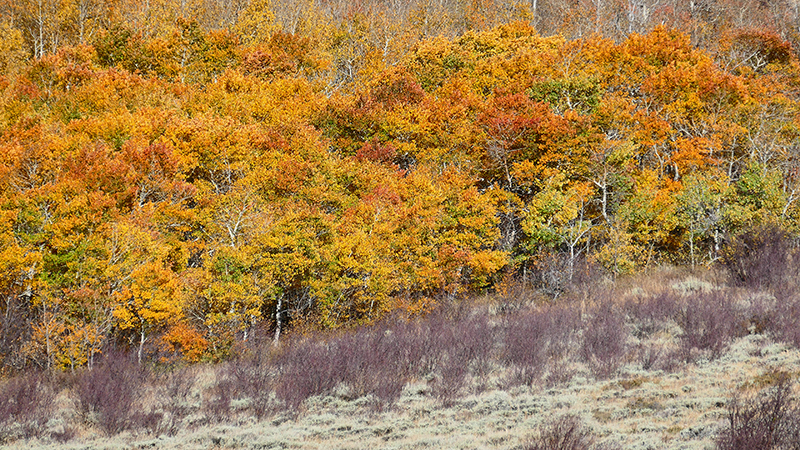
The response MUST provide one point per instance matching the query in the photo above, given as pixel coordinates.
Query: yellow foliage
(12, 51)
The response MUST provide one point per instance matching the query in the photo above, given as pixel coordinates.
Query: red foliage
(376, 151)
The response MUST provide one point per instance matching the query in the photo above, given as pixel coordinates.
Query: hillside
(644, 410)
(372, 222)
(176, 190)
(665, 375)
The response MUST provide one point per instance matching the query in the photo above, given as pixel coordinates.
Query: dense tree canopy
(177, 175)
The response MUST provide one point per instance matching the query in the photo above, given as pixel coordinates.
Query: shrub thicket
(761, 257)
(766, 421)
(26, 403)
(566, 432)
(536, 339)
(110, 395)
(604, 339)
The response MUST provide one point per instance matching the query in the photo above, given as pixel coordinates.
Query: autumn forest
(179, 176)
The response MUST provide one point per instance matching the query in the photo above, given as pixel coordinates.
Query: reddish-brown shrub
(649, 315)
(371, 362)
(306, 368)
(562, 433)
(109, 394)
(217, 401)
(785, 317)
(534, 338)
(251, 377)
(27, 401)
(604, 339)
(709, 321)
(770, 420)
(173, 389)
(761, 258)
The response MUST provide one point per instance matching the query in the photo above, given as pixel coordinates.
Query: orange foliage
(185, 180)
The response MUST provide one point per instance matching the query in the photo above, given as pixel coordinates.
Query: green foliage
(579, 95)
(759, 196)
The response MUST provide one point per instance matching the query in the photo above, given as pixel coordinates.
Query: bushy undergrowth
(26, 402)
(766, 421)
(378, 362)
(604, 342)
(709, 321)
(110, 395)
(565, 433)
(173, 391)
(539, 339)
(761, 258)
(455, 350)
